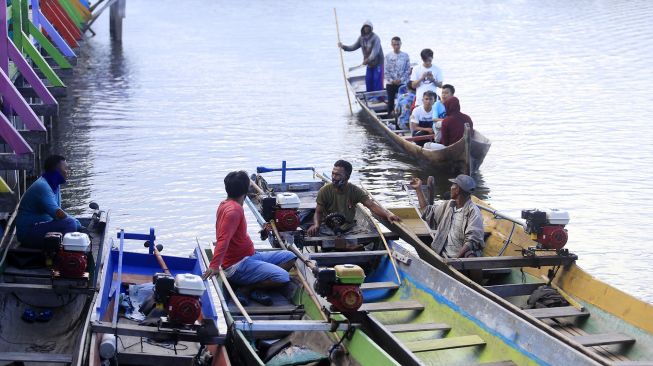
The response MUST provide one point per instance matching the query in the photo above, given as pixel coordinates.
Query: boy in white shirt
(421, 120)
(425, 76)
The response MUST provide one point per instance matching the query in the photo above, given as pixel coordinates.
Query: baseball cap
(465, 182)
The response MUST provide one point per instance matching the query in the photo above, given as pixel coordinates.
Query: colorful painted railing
(52, 31)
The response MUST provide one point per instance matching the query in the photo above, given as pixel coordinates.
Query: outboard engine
(180, 296)
(547, 227)
(283, 209)
(71, 260)
(341, 286)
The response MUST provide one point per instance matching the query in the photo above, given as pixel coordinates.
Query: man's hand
(396, 82)
(416, 183)
(339, 44)
(365, 61)
(392, 217)
(313, 230)
(210, 273)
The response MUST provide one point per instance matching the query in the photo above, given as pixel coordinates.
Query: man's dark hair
(426, 53)
(450, 87)
(395, 38)
(430, 93)
(52, 161)
(236, 184)
(345, 165)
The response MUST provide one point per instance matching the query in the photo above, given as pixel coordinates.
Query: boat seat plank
(511, 261)
(417, 327)
(333, 258)
(262, 309)
(392, 306)
(379, 286)
(420, 138)
(445, 343)
(603, 339)
(517, 289)
(317, 240)
(559, 312)
(36, 357)
(496, 272)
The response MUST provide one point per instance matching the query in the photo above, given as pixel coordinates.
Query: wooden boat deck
(502, 277)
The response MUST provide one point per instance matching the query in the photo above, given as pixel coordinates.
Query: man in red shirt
(234, 250)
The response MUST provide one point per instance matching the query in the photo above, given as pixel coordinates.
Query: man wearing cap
(458, 222)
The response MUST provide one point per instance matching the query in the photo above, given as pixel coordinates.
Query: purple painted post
(29, 74)
(12, 137)
(4, 35)
(11, 95)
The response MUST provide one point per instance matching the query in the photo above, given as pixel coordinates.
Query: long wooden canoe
(416, 313)
(156, 341)
(464, 156)
(603, 322)
(33, 286)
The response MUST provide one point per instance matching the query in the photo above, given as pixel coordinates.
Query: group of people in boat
(458, 222)
(412, 97)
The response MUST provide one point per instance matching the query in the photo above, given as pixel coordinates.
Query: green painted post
(49, 48)
(16, 25)
(22, 42)
(72, 13)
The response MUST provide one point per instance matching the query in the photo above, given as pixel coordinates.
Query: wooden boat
(183, 329)
(413, 311)
(464, 156)
(606, 324)
(31, 292)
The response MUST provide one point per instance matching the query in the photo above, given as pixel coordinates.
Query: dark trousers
(34, 238)
(392, 90)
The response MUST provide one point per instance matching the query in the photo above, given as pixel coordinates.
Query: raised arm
(353, 47)
(416, 183)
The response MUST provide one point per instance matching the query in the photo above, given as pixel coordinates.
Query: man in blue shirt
(40, 210)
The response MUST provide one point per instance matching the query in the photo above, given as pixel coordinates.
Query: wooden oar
(355, 67)
(385, 243)
(342, 62)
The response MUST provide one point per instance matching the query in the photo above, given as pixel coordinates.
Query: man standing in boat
(397, 72)
(370, 44)
(234, 250)
(425, 76)
(341, 197)
(40, 210)
(458, 221)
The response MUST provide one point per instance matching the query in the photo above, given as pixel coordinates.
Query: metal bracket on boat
(401, 257)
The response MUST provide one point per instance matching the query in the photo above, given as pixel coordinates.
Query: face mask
(338, 183)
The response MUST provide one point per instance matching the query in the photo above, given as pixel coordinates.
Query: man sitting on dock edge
(39, 211)
(234, 250)
(458, 221)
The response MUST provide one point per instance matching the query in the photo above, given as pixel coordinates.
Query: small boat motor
(71, 260)
(341, 286)
(180, 296)
(547, 227)
(283, 209)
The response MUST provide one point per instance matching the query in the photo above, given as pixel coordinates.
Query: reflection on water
(561, 88)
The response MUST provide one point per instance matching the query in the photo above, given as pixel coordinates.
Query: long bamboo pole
(342, 62)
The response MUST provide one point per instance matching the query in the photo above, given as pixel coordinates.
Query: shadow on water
(71, 135)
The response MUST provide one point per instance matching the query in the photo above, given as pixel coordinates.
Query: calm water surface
(200, 88)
